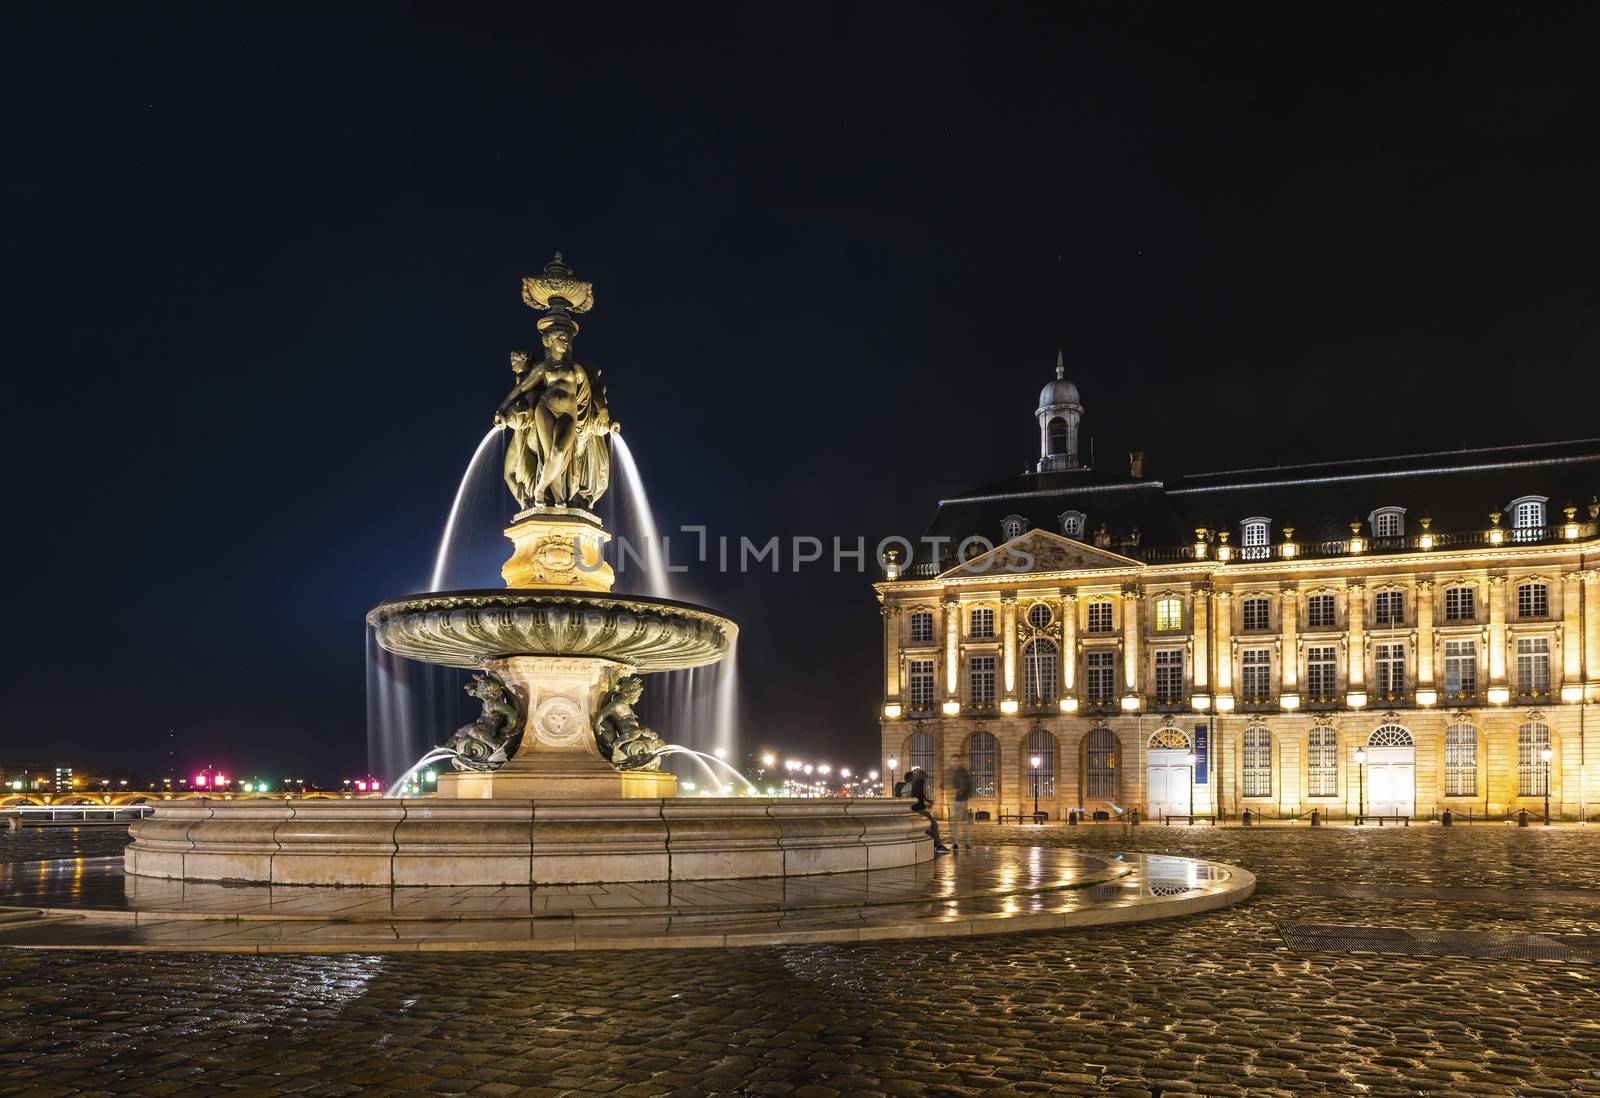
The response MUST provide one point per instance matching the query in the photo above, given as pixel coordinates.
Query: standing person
(960, 792)
(919, 789)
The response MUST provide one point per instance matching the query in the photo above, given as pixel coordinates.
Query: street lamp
(893, 762)
(768, 759)
(1189, 758)
(1361, 769)
(1034, 764)
(1545, 756)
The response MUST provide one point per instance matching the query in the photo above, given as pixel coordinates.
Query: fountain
(558, 781)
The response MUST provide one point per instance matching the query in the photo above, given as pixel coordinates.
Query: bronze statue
(489, 741)
(560, 452)
(628, 744)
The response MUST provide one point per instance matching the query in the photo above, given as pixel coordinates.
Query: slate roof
(1457, 488)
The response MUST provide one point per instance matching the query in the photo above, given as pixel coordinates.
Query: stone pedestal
(557, 756)
(558, 547)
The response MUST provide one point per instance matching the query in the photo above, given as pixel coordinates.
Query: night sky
(262, 273)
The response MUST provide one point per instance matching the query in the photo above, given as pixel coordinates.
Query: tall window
(1099, 683)
(1100, 763)
(1072, 523)
(1041, 671)
(919, 752)
(919, 685)
(921, 627)
(1533, 600)
(1533, 666)
(1460, 604)
(1320, 612)
(983, 752)
(1460, 760)
(1169, 674)
(1527, 518)
(1391, 668)
(1257, 613)
(1389, 608)
(980, 680)
(1169, 614)
(1099, 617)
(1460, 669)
(1255, 678)
(1322, 762)
(1058, 435)
(983, 622)
(1254, 540)
(1257, 762)
(1390, 522)
(1039, 615)
(1533, 773)
(1322, 672)
(1043, 745)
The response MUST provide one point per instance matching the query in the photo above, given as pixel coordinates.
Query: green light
(431, 776)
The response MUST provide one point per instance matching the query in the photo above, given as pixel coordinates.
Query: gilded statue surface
(628, 744)
(489, 741)
(559, 454)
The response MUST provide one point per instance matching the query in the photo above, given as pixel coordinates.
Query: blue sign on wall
(1201, 750)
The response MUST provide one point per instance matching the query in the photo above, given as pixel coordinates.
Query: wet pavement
(1217, 1004)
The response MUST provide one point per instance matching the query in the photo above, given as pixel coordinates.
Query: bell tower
(1058, 415)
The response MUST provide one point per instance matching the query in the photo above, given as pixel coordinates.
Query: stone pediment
(1043, 551)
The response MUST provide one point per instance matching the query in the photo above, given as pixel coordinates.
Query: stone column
(1008, 642)
(1497, 631)
(1289, 662)
(1424, 632)
(1224, 630)
(1201, 626)
(891, 654)
(1069, 643)
(1571, 627)
(1591, 625)
(1356, 640)
(1131, 658)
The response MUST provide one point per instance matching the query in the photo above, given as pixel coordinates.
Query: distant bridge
(130, 797)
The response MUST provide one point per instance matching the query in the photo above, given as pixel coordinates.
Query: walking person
(960, 813)
(919, 789)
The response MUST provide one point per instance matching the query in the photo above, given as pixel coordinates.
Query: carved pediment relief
(1042, 551)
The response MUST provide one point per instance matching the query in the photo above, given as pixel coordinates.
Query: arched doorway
(1168, 780)
(1391, 772)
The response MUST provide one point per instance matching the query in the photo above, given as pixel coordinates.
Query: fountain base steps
(504, 840)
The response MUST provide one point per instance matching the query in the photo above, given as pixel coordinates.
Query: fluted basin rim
(464, 628)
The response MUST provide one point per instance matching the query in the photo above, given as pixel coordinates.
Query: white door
(1391, 780)
(1166, 783)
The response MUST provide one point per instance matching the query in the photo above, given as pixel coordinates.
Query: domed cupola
(1058, 415)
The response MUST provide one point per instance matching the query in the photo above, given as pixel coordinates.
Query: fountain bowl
(466, 628)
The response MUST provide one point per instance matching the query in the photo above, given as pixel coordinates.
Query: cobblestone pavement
(1211, 1005)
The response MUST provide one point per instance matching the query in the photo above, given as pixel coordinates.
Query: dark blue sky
(262, 275)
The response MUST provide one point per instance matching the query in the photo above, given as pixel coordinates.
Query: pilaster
(1424, 633)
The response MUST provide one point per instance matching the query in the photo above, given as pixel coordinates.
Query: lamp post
(1034, 764)
(1361, 768)
(893, 763)
(1190, 760)
(1545, 757)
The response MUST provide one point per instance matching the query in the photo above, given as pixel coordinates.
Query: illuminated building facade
(1388, 637)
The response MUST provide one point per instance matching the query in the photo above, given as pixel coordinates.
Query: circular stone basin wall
(433, 841)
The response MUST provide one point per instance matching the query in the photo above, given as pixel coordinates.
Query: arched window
(1322, 762)
(1072, 523)
(1041, 745)
(919, 752)
(1169, 739)
(983, 751)
(1533, 773)
(1460, 760)
(1058, 436)
(1390, 735)
(1100, 765)
(1388, 522)
(1012, 526)
(1257, 762)
(1255, 534)
(1041, 671)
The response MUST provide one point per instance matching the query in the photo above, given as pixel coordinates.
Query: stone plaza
(1503, 1002)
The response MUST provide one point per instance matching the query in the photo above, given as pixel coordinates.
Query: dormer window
(1072, 523)
(1012, 526)
(1255, 538)
(1527, 517)
(1388, 522)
